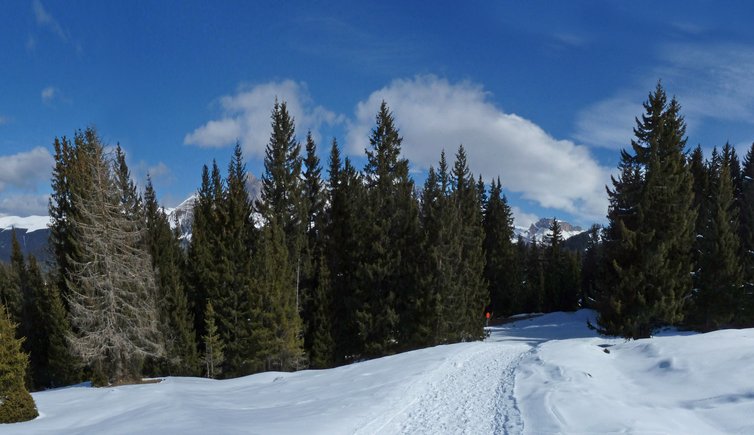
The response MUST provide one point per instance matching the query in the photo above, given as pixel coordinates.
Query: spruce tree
(16, 404)
(308, 269)
(234, 266)
(51, 362)
(651, 221)
(12, 293)
(439, 309)
(718, 286)
(200, 275)
(281, 182)
(344, 248)
(276, 326)
(176, 318)
(391, 234)
(475, 296)
(500, 270)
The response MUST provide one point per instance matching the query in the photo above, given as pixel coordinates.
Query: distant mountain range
(32, 234)
(541, 229)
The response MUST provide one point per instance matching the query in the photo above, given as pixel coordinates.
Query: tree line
(322, 270)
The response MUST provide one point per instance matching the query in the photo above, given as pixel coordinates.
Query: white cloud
(4, 120)
(159, 170)
(246, 117)
(433, 114)
(609, 123)
(26, 169)
(48, 94)
(711, 81)
(523, 219)
(24, 205)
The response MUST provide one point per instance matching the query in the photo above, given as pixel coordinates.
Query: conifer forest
(335, 263)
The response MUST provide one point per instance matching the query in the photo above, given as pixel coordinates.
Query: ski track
(470, 393)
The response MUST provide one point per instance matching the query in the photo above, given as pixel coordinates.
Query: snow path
(471, 392)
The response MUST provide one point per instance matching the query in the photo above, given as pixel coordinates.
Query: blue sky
(542, 94)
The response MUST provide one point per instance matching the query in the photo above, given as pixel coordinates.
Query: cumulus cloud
(523, 219)
(246, 117)
(24, 205)
(26, 169)
(433, 114)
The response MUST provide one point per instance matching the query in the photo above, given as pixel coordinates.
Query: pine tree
(308, 268)
(276, 326)
(475, 296)
(281, 182)
(200, 275)
(718, 284)
(176, 319)
(233, 263)
(12, 294)
(391, 234)
(16, 404)
(344, 248)
(650, 235)
(439, 310)
(500, 270)
(213, 345)
(51, 363)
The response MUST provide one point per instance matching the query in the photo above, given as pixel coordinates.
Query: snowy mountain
(182, 215)
(32, 235)
(547, 374)
(541, 229)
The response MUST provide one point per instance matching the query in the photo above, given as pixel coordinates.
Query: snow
(543, 374)
(29, 223)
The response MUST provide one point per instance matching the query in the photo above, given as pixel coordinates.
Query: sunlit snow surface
(548, 374)
(29, 223)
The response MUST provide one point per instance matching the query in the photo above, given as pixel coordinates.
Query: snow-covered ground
(548, 374)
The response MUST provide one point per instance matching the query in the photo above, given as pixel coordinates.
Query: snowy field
(542, 375)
